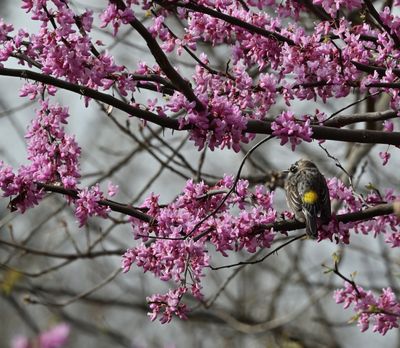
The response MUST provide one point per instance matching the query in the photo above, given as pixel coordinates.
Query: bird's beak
(285, 172)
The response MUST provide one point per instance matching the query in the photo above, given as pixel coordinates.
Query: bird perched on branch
(307, 195)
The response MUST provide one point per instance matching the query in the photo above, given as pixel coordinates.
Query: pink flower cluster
(178, 247)
(333, 6)
(388, 225)
(64, 48)
(168, 305)
(179, 251)
(385, 155)
(56, 337)
(287, 128)
(5, 29)
(227, 102)
(87, 204)
(117, 17)
(383, 311)
(391, 20)
(317, 69)
(53, 157)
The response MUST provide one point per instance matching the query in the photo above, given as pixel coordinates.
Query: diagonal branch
(229, 19)
(374, 13)
(91, 93)
(161, 59)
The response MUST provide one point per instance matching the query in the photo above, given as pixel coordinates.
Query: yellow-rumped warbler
(307, 195)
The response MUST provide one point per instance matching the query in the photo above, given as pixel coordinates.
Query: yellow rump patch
(310, 197)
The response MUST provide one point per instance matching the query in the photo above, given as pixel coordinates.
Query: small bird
(307, 195)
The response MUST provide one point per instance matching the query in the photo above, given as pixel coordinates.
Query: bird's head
(299, 165)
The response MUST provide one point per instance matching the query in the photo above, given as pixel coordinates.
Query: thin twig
(263, 258)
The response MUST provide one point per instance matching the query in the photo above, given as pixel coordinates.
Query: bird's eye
(293, 169)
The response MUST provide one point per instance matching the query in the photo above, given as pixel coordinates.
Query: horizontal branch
(114, 206)
(362, 215)
(91, 93)
(370, 69)
(88, 255)
(253, 126)
(287, 225)
(394, 85)
(345, 120)
(337, 134)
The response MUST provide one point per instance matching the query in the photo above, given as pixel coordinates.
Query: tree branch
(88, 255)
(114, 206)
(162, 60)
(374, 13)
(287, 225)
(337, 134)
(345, 120)
(253, 126)
(362, 215)
(91, 93)
(370, 69)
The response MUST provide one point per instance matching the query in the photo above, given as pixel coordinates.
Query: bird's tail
(311, 223)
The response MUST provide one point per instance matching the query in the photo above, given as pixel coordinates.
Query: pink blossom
(384, 155)
(339, 191)
(56, 337)
(34, 89)
(4, 29)
(168, 305)
(287, 129)
(222, 125)
(391, 20)
(268, 83)
(20, 342)
(182, 243)
(87, 204)
(388, 225)
(382, 311)
(112, 189)
(116, 17)
(332, 6)
(53, 157)
(86, 19)
(388, 126)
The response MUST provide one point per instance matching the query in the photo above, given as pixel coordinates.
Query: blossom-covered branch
(162, 60)
(91, 93)
(362, 215)
(114, 206)
(256, 127)
(285, 225)
(383, 311)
